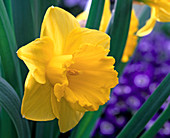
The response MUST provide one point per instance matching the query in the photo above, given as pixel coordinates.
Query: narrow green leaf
(8, 62)
(10, 101)
(145, 113)
(7, 127)
(38, 9)
(0, 67)
(0, 121)
(95, 14)
(87, 123)
(47, 129)
(118, 28)
(165, 115)
(24, 28)
(9, 10)
(23, 22)
(9, 59)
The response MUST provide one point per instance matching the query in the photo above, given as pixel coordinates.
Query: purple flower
(106, 128)
(72, 3)
(165, 130)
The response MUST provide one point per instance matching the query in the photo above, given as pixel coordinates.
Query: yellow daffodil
(69, 71)
(160, 11)
(131, 42)
(132, 38)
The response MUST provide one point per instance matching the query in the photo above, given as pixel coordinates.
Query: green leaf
(165, 115)
(9, 62)
(7, 127)
(23, 22)
(8, 51)
(118, 29)
(86, 125)
(24, 28)
(48, 129)
(146, 112)
(38, 9)
(9, 10)
(95, 14)
(0, 67)
(10, 101)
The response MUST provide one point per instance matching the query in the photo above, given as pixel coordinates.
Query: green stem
(118, 29)
(165, 115)
(95, 14)
(146, 112)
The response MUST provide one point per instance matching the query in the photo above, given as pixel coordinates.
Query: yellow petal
(67, 117)
(36, 56)
(162, 7)
(59, 90)
(131, 42)
(82, 16)
(132, 38)
(163, 16)
(106, 16)
(57, 24)
(147, 29)
(80, 36)
(36, 103)
(125, 58)
(91, 86)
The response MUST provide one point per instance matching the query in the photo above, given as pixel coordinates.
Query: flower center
(57, 69)
(73, 71)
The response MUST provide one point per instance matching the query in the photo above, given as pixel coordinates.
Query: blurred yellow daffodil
(132, 38)
(160, 11)
(69, 71)
(131, 41)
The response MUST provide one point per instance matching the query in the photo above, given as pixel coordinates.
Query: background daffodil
(132, 38)
(69, 71)
(131, 41)
(160, 11)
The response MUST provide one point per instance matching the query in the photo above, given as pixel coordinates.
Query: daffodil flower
(131, 42)
(132, 38)
(69, 71)
(160, 11)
